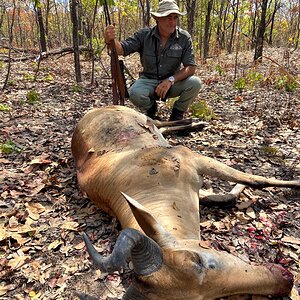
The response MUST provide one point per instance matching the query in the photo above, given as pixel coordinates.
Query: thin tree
(276, 7)
(190, 9)
(58, 25)
(39, 16)
(207, 26)
(74, 18)
(145, 7)
(298, 28)
(235, 8)
(221, 23)
(91, 42)
(10, 25)
(261, 32)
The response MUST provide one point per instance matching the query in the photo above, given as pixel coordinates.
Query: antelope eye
(208, 262)
(211, 264)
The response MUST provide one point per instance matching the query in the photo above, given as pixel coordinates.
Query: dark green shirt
(155, 59)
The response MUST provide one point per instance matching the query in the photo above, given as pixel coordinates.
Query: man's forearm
(119, 47)
(185, 73)
(110, 37)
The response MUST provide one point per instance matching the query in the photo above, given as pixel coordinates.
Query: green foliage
(33, 97)
(11, 83)
(1, 64)
(286, 83)
(48, 78)
(170, 102)
(28, 77)
(9, 147)
(240, 84)
(76, 88)
(4, 107)
(201, 110)
(220, 70)
(254, 77)
(249, 81)
(269, 151)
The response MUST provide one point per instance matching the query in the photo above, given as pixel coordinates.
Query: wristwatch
(171, 79)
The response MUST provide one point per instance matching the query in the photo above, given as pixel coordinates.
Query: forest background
(238, 25)
(54, 67)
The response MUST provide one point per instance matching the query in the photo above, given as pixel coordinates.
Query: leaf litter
(43, 211)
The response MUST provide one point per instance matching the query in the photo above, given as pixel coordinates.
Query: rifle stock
(118, 84)
(118, 79)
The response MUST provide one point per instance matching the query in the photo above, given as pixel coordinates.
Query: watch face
(171, 78)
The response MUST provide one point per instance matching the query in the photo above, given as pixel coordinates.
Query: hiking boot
(176, 115)
(151, 112)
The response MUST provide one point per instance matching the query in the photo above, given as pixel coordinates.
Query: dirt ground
(254, 128)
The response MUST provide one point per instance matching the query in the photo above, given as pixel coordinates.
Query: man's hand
(162, 89)
(109, 34)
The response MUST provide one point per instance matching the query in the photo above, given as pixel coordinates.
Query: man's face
(167, 25)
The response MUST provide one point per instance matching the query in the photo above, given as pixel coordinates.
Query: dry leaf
(3, 234)
(291, 240)
(250, 212)
(40, 161)
(18, 261)
(34, 210)
(242, 217)
(72, 225)
(79, 246)
(5, 288)
(205, 244)
(54, 245)
(206, 224)
(244, 204)
(294, 295)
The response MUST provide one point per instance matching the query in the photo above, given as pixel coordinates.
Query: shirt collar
(175, 34)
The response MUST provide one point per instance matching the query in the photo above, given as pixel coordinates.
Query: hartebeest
(128, 169)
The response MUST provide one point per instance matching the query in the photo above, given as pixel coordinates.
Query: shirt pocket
(149, 62)
(173, 60)
(174, 54)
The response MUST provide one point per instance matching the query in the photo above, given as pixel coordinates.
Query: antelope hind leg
(221, 200)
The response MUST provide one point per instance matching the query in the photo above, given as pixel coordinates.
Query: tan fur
(119, 150)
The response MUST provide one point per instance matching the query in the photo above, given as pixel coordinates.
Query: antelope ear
(149, 224)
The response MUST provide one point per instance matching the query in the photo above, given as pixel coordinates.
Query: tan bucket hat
(167, 7)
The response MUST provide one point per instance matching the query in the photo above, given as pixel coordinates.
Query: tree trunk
(58, 24)
(234, 25)
(254, 22)
(39, 16)
(10, 26)
(145, 7)
(91, 42)
(206, 37)
(74, 4)
(261, 32)
(190, 9)
(298, 27)
(276, 7)
(81, 28)
(220, 34)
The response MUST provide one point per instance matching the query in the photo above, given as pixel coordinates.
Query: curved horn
(133, 293)
(149, 224)
(145, 254)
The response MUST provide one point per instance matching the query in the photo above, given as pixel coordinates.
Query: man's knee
(194, 83)
(139, 99)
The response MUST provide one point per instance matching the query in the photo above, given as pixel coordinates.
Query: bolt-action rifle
(117, 68)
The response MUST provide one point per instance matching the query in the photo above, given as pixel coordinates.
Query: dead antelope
(117, 149)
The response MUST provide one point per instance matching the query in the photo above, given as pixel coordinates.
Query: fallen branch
(36, 57)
